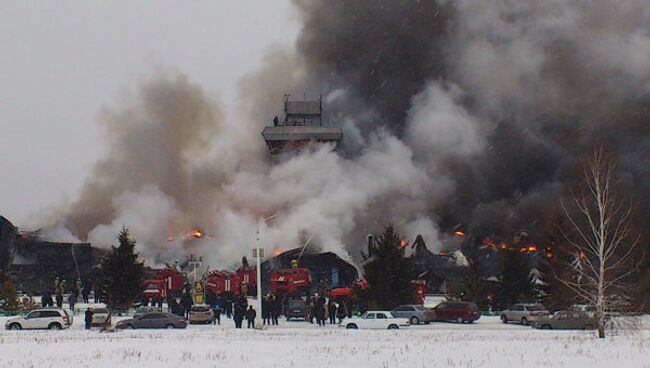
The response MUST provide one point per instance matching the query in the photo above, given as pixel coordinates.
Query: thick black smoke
(541, 83)
(455, 114)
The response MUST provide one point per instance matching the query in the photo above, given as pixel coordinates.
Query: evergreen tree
(388, 272)
(472, 288)
(516, 285)
(122, 274)
(8, 296)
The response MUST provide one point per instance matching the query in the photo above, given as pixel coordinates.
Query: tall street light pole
(259, 253)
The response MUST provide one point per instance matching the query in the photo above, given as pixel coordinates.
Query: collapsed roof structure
(302, 124)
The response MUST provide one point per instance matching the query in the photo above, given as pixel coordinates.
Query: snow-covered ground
(487, 343)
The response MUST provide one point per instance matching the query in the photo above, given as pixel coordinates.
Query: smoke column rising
(464, 113)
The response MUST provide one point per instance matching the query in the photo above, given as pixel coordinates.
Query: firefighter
(250, 316)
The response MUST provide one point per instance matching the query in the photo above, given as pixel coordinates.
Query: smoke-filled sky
(455, 114)
(62, 62)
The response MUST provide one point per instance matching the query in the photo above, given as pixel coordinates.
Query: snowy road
(487, 343)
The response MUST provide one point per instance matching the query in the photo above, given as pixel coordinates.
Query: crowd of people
(322, 310)
(318, 308)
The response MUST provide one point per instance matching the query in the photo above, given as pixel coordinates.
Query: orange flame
(490, 244)
(503, 246)
(442, 253)
(402, 243)
(549, 253)
(170, 238)
(277, 251)
(532, 248)
(459, 233)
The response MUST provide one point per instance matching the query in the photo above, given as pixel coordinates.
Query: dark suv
(457, 311)
(295, 308)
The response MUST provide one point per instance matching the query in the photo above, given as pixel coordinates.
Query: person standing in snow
(240, 312)
(276, 309)
(342, 312)
(332, 311)
(250, 316)
(228, 308)
(216, 309)
(266, 310)
(72, 300)
(89, 318)
(85, 292)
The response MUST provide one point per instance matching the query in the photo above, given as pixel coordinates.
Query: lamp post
(259, 254)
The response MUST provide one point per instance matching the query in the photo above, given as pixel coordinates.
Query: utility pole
(195, 265)
(259, 254)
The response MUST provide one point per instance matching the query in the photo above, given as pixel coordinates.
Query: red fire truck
(247, 278)
(291, 281)
(221, 282)
(166, 282)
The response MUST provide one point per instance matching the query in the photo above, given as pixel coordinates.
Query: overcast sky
(61, 61)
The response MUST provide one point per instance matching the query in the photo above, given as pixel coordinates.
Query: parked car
(376, 320)
(524, 313)
(45, 318)
(153, 320)
(144, 310)
(200, 313)
(566, 320)
(457, 311)
(101, 316)
(295, 308)
(415, 313)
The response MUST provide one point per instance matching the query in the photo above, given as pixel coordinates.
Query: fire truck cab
(166, 282)
(221, 282)
(291, 281)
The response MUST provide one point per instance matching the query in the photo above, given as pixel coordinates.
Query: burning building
(302, 124)
(327, 269)
(35, 263)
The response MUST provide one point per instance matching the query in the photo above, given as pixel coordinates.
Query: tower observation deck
(302, 124)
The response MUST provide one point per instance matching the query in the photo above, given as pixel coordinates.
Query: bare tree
(601, 238)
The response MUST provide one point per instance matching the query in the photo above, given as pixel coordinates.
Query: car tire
(393, 327)
(460, 320)
(170, 326)
(54, 326)
(15, 327)
(504, 319)
(547, 327)
(351, 326)
(415, 320)
(129, 327)
(524, 321)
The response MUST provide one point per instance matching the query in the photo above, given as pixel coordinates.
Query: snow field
(486, 343)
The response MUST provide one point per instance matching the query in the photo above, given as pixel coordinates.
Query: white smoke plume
(464, 112)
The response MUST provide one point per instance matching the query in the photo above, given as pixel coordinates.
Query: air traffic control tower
(302, 124)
